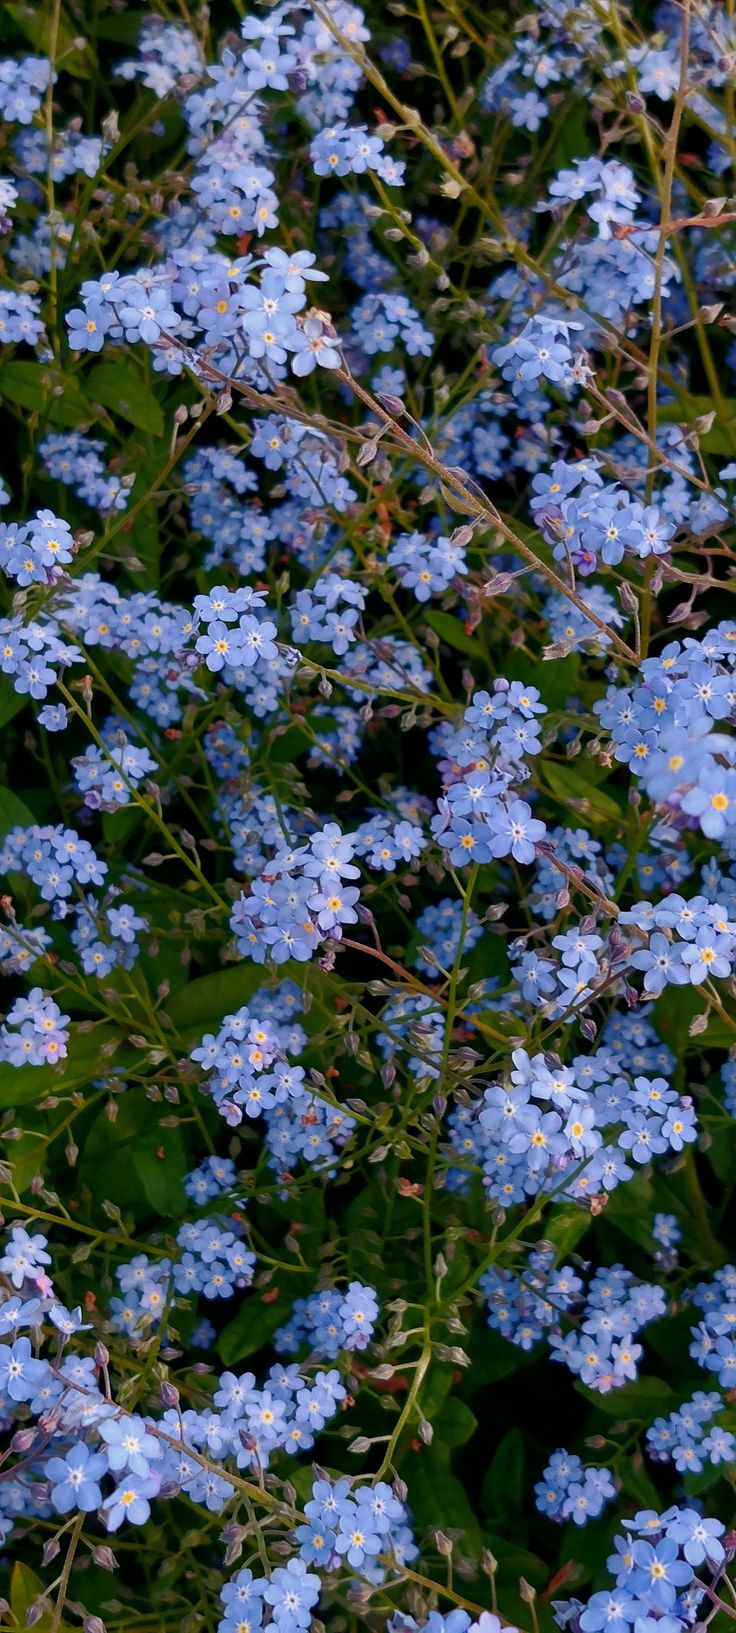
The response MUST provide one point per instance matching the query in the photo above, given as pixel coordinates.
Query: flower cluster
(591, 1331)
(90, 1453)
(568, 1491)
(653, 1566)
(330, 1322)
(575, 1128)
(301, 898)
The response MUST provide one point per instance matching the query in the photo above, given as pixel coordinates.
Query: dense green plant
(368, 819)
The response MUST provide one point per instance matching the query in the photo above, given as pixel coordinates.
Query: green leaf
(25, 1589)
(455, 1423)
(644, 1398)
(35, 22)
(163, 963)
(670, 1336)
(13, 812)
(436, 1388)
(136, 1159)
(572, 135)
(123, 30)
(722, 1154)
(585, 1547)
(721, 438)
(120, 388)
(119, 826)
(580, 796)
(493, 1357)
(161, 1164)
(28, 1157)
(559, 683)
(564, 1227)
(203, 1003)
(11, 702)
(515, 1562)
(673, 1012)
(282, 749)
(437, 1497)
(306, 1211)
(451, 630)
(42, 389)
(632, 1213)
(22, 1085)
(252, 1327)
(696, 1484)
(635, 1482)
(504, 1483)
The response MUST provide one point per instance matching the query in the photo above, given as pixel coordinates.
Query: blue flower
(516, 832)
(130, 1445)
(20, 1373)
(129, 1501)
(292, 1594)
(76, 1478)
(659, 1573)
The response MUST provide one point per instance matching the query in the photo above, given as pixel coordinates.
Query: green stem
(55, 1622)
(712, 1250)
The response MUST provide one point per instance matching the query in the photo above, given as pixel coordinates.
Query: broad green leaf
(165, 965)
(631, 1211)
(450, 629)
(586, 1546)
(438, 1497)
(455, 1423)
(253, 1326)
(42, 389)
(671, 1335)
(25, 1589)
(306, 1209)
(436, 1388)
(35, 22)
(518, 1560)
(721, 438)
(204, 1003)
(27, 1158)
(118, 826)
(458, 1271)
(635, 1482)
(504, 1484)
(493, 1357)
(514, 1562)
(558, 683)
(143, 535)
(564, 1227)
(301, 1477)
(13, 812)
(136, 1159)
(161, 1164)
(11, 702)
(22, 1085)
(674, 1011)
(580, 796)
(632, 1207)
(124, 30)
(571, 137)
(722, 1154)
(696, 1484)
(643, 1398)
(283, 749)
(120, 388)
